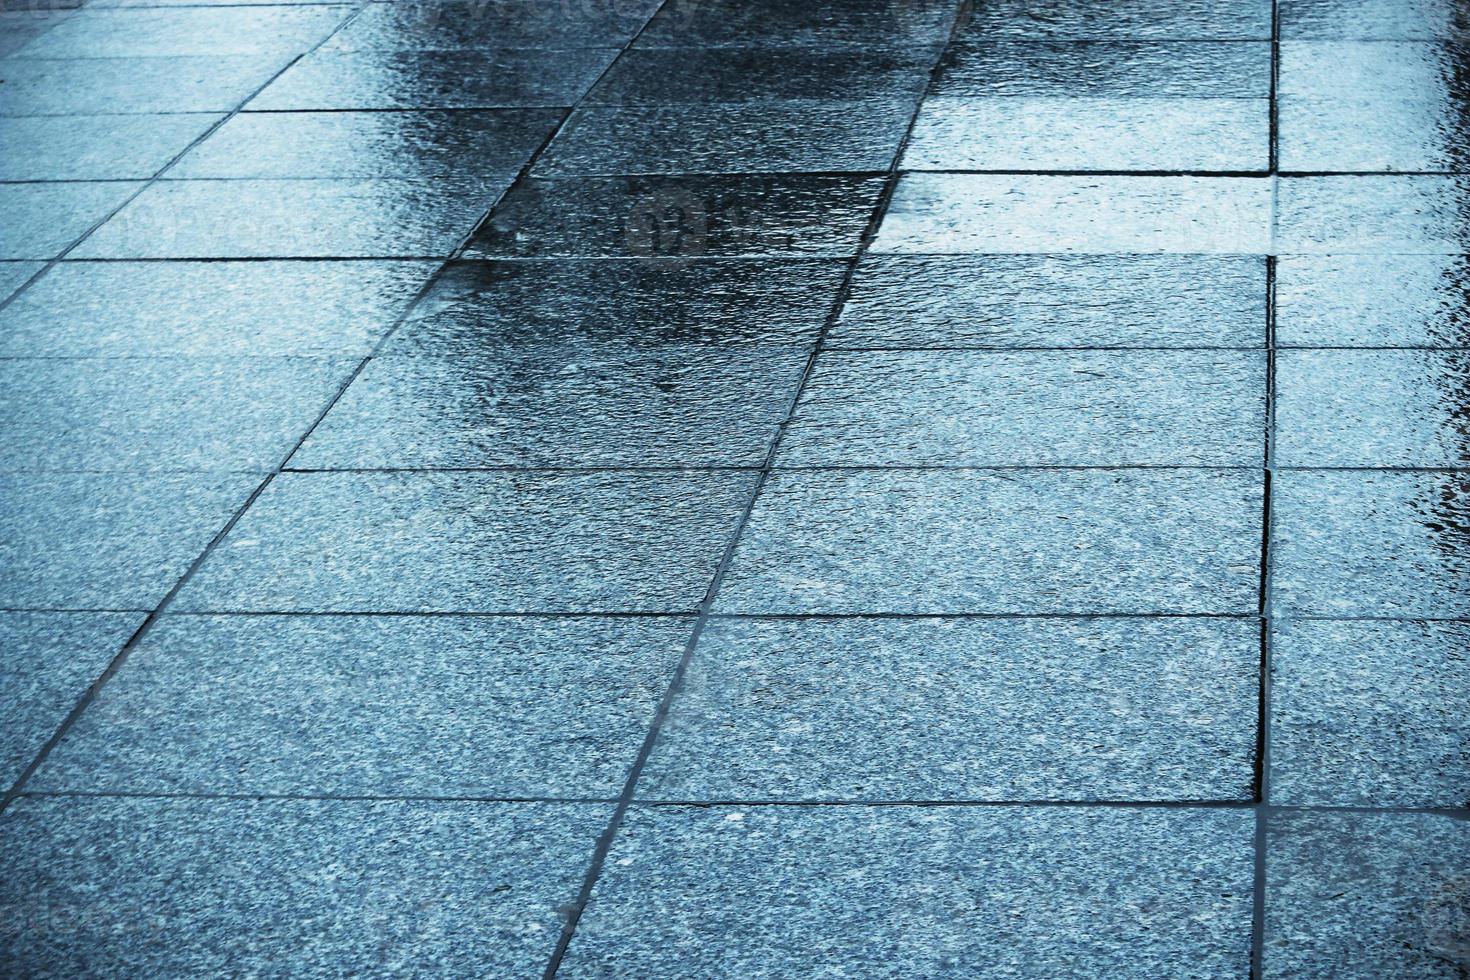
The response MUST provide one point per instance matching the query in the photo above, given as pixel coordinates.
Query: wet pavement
(707, 488)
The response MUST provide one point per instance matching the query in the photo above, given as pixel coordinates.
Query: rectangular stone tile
(561, 405)
(1000, 541)
(767, 23)
(980, 68)
(189, 219)
(489, 143)
(614, 306)
(1374, 19)
(964, 709)
(161, 33)
(656, 76)
(107, 540)
(480, 79)
(1372, 408)
(957, 213)
(14, 275)
(1380, 71)
(472, 25)
(504, 707)
(1019, 133)
(43, 220)
(95, 147)
(1362, 895)
(475, 542)
(98, 86)
(190, 887)
(1372, 301)
(50, 660)
(970, 891)
(1034, 408)
(647, 217)
(1368, 135)
(1021, 301)
(135, 414)
(117, 309)
(1370, 713)
(1083, 20)
(1365, 543)
(729, 138)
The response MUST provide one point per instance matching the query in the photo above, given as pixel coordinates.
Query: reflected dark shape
(486, 143)
(477, 25)
(729, 138)
(1055, 541)
(651, 217)
(1020, 133)
(1363, 894)
(1404, 408)
(1373, 301)
(107, 540)
(830, 24)
(559, 404)
(1007, 727)
(1370, 713)
(115, 309)
(487, 79)
(142, 414)
(932, 892)
(1163, 20)
(1030, 408)
(614, 306)
(652, 76)
(1157, 69)
(306, 218)
(502, 706)
(1366, 543)
(475, 542)
(1021, 301)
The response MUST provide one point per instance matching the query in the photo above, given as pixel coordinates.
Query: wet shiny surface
(519, 420)
(976, 68)
(559, 404)
(95, 147)
(613, 306)
(1364, 543)
(1017, 133)
(1373, 301)
(141, 415)
(1373, 408)
(119, 309)
(474, 542)
(1054, 541)
(652, 217)
(479, 79)
(505, 706)
(655, 76)
(1035, 408)
(729, 138)
(191, 219)
(1019, 301)
(371, 144)
(939, 709)
(957, 213)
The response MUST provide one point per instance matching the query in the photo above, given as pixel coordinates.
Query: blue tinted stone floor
(735, 488)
